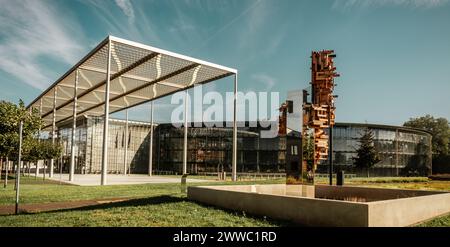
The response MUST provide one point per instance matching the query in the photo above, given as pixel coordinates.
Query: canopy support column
(150, 158)
(186, 98)
(106, 119)
(74, 126)
(234, 153)
(125, 155)
(52, 161)
(39, 138)
(19, 160)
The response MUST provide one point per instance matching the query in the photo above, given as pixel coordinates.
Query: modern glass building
(209, 149)
(403, 151)
(88, 145)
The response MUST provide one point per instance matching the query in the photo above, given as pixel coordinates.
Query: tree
(439, 129)
(366, 155)
(32, 151)
(50, 150)
(340, 158)
(9, 122)
(10, 117)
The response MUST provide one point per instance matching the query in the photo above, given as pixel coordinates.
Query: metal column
(52, 161)
(186, 98)
(6, 172)
(125, 156)
(396, 151)
(39, 138)
(106, 119)
(234, 153)
(74, 126)
(330, 147)
(257, 154)
(150, 158)
(18, 167)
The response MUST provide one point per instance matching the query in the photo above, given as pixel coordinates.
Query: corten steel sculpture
(285, 108)
(282, 120)
(318, 114)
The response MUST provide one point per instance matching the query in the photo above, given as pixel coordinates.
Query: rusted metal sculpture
(282, 119)
(318, 114)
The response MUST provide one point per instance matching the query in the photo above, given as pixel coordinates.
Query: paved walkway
(113, 179)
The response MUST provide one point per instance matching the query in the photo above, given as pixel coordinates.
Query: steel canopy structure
(119, 74)
(138, 74)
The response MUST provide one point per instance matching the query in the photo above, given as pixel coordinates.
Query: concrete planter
(331, 205)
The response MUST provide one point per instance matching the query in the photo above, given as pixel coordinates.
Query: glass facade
(403, 151)
(210, 150)
(88, 146)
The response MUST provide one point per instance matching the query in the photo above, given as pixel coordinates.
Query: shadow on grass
(163, 199)
(282, 223)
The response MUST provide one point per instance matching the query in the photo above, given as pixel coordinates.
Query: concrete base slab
(330, 206)
(115, 179)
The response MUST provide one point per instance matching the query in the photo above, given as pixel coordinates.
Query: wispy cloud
(127, 8)
(230, 23)
(183, 27)
(253, 32)
(349, 4)
(30, 30)
(140, 30)
(263, 79)
(255, 19)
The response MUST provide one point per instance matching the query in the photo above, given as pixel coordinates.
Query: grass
(173, 210)
(39, 191)
(388, 180)
(159, 204)
(154, 205)
(437, 222)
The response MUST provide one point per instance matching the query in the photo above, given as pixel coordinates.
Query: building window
(294, 150)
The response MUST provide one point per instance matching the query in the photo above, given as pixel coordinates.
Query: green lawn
(38, 191)
(161, 210)
(157, 204)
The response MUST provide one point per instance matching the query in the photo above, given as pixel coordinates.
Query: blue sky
(393, 55)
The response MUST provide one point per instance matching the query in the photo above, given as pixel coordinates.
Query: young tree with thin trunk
(366, 154)
(49, 151)
(6, 172)
(10, 117)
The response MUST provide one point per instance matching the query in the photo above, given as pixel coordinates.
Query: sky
(393, 55)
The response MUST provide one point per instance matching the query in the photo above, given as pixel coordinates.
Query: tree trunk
(15, 166)
(1, 168)
(43, 172)
(60, 168)
(37, 169)
(368, 172)
(6, 172)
